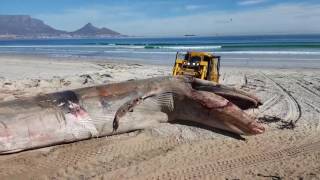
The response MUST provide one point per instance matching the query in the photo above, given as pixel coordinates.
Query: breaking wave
(272, 52)
(182, 47)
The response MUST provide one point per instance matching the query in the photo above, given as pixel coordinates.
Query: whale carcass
(109, 109)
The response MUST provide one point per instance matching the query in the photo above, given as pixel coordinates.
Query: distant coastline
(62, 37)
(26, 27)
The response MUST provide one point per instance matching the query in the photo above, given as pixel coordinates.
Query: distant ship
(188, 35)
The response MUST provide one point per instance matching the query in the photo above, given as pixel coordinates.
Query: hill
(90, 30)
(24, 26)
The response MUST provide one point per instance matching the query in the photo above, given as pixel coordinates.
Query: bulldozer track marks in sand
(148, 150)
(270, 103)
(58, 159)
(257, 82)
(311, 102)
(212, 168)
(303, 84)
(294, 113)
(312, 92)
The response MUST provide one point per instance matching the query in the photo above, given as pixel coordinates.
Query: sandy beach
(289, 149)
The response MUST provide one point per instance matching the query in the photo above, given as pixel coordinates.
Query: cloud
(192, 7)
(72, 19)
(282, 18)
(279, 19)
(250, 2)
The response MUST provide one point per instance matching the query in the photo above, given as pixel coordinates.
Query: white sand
(173, 150)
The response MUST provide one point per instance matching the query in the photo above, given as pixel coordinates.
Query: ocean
(267, 51)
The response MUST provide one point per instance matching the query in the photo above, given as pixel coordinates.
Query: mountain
(24, 26)
(90, 30)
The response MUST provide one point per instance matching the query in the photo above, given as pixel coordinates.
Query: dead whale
(109, 109)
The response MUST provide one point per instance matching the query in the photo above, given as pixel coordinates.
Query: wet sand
(289, 149)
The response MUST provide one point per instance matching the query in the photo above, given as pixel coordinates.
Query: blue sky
(176, 17)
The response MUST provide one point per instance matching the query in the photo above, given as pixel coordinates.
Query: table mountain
(24, 26)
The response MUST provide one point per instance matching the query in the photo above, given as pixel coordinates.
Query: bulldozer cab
(200, 65)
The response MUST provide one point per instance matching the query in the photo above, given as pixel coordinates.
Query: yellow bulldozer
(200, 65)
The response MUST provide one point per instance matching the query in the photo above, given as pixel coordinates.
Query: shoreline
(248, 62)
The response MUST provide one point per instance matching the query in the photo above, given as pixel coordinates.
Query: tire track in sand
(313, 97)
(294, 113)
(303, 83)
(270, 103)
(70, 156)
(311, 91)
(203, 170)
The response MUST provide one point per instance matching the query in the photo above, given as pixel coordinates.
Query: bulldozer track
(56, 160)
(314, 99)
(302, 83)
(311, 91)
(208, 161)
(212, 168)
(294, 113)
(316, 108)
(270, 103)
